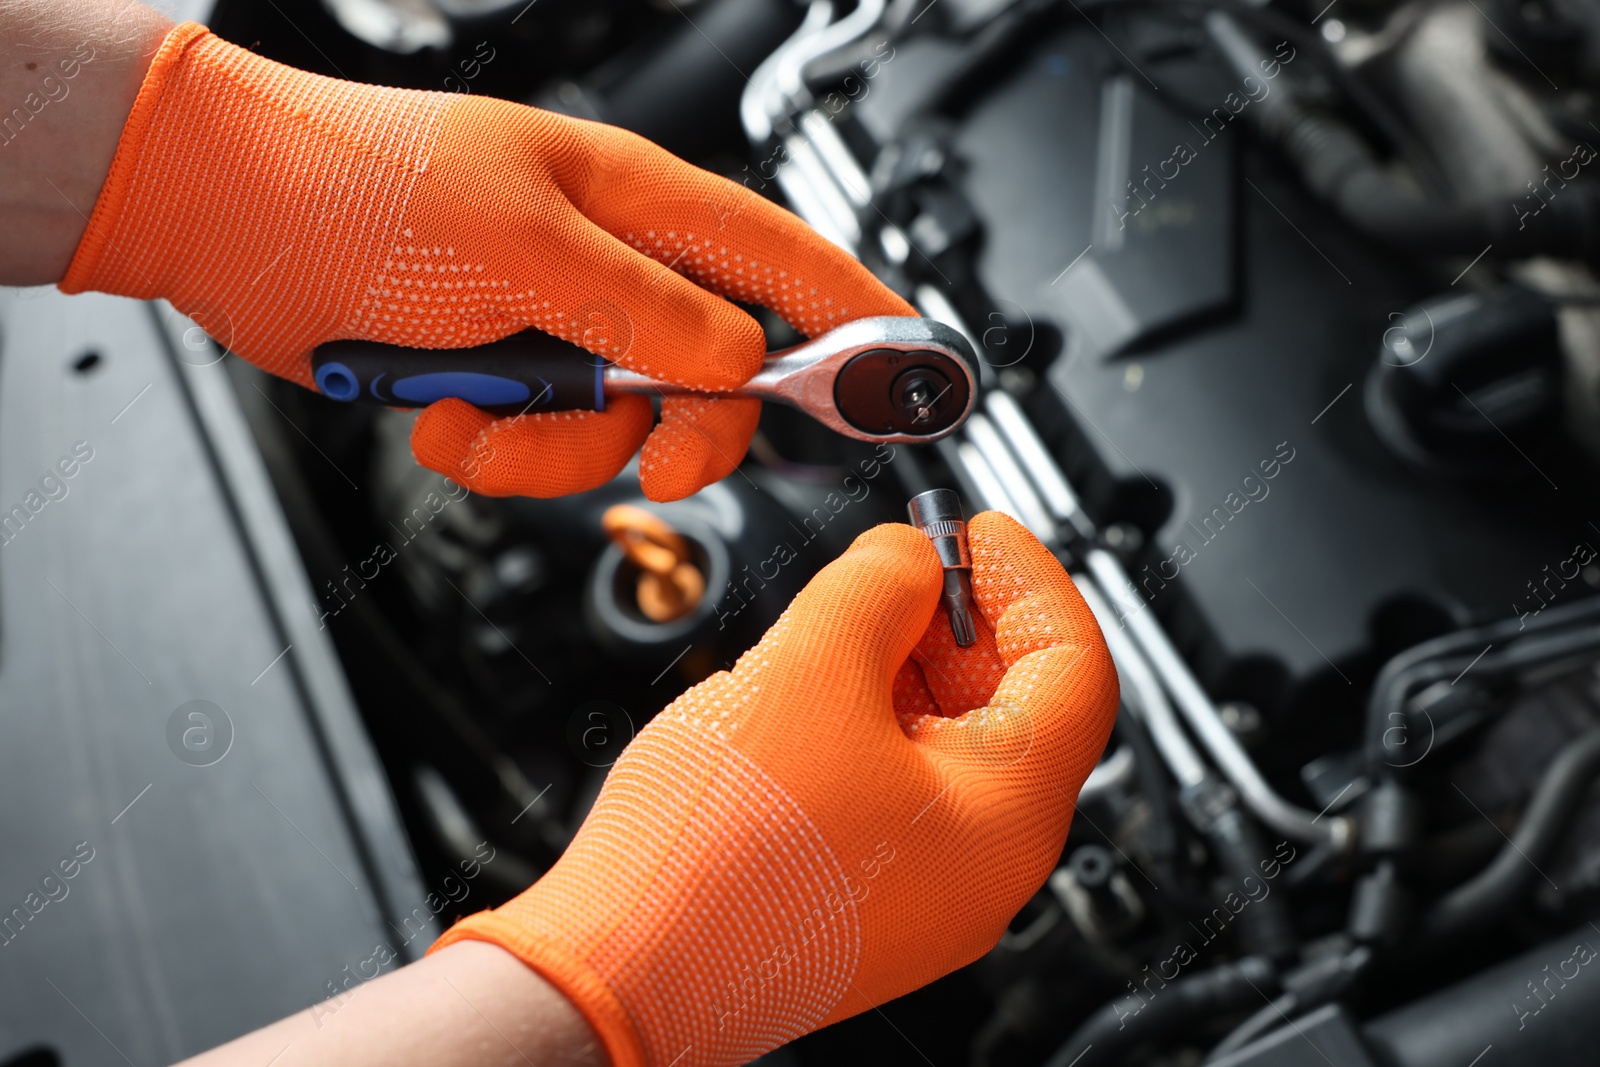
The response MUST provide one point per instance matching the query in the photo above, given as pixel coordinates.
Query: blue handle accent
(338, 381)
(483, 390)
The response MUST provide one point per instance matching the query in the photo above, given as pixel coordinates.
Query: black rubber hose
(1409, 672)
(1497, 887)
(1369, 104)
(1377, 205)
(1164, 833)
(1107, 1035)
(1475, 637)
(1213, 808)
(1338, 167)
(1161, 835)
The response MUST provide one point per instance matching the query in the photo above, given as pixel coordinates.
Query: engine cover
(1219, 329)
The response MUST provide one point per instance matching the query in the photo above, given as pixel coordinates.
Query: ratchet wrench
(890, 379)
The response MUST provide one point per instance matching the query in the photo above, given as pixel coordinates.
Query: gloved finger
(1057, 695)
(699, 441)
(912, 697)
(651, 319)
(1046, 723)
(733, 241)
(549, 454)
(837, 647)
(1023, 591)
(958, 679)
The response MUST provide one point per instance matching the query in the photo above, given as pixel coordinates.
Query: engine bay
(1290, 347)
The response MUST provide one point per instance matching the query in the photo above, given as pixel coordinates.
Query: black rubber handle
(526, 372)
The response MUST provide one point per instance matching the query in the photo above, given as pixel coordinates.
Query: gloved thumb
(853, 624)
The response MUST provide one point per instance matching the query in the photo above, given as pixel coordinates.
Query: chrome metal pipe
(1143, 694)
(1201, 714)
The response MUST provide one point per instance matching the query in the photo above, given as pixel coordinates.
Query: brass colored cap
(670, 585)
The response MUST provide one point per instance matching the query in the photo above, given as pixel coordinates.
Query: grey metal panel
(297, 610)
(219, 897)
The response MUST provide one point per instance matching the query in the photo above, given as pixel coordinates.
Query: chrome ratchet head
(891, 379)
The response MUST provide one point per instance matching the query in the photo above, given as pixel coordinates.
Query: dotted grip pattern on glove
(283, 209)
(856, 809)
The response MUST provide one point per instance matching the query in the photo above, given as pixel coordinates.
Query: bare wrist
(69, 83)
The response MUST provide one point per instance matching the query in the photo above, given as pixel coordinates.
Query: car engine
(1290, 345)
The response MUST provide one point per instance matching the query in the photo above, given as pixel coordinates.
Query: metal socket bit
(937, 513)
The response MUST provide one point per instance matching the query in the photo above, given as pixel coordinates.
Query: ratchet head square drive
(937, 513)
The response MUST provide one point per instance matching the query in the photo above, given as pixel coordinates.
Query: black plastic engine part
(1390, 819)
(1536, 1008)
(1379, 908)
(1459, 376)
(1330, 1033)
(1205, 390)
(1306, 987)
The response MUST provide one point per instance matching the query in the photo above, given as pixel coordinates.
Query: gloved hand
(830, 824)
(283, 210)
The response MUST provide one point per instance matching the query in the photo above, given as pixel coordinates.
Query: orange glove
(283, 210)
(830, 824)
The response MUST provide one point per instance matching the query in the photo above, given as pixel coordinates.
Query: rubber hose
(1476, 637)
(1493, 890)
(1265, 926)
(1107, 1035)
(1394, 687)
(1337, 166)
(1381, 209)
(1161, 838)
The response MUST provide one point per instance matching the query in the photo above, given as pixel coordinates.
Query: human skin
(69, 71)
(472, 1003)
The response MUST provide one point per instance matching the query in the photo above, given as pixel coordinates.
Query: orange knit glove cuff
(92, 249)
